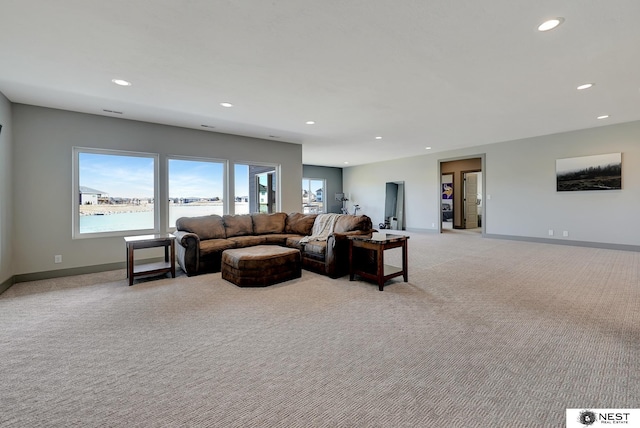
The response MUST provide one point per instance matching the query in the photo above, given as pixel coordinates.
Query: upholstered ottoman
(260, 265)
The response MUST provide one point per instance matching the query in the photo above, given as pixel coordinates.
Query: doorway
(256, 188)
(265, 192)
(394, 205)
(461, 199)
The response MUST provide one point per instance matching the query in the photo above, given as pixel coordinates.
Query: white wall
(6, 208)
(520, 178)
(42, 180)
(366, 186)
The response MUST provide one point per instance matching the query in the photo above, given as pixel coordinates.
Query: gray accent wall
(6, 189)
(520, 188)
(333, 176)
(42, 178)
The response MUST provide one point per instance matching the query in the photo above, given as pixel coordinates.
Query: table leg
(351, 269)
(380, 272)
(173, 259)
(130, 264)
(405, 267)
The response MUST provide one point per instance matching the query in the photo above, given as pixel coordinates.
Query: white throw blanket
(322, 227)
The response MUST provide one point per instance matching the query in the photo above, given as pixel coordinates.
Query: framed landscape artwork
(599, 172)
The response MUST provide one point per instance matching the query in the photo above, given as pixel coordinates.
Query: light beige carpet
(486, 333)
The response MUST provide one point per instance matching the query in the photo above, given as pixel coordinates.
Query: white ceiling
(445, 74)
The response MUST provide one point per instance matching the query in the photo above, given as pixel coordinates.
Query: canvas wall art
(599, 172)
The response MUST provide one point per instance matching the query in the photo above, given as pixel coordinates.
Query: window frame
(324, 192)
(225, 184)
(75, 188)
(278, 176)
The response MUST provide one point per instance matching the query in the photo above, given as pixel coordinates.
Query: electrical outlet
(57, 258)
(433, 225)
(550, 232)
(565, 233)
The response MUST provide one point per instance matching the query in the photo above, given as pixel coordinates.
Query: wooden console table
(151, 241)
(377, 270)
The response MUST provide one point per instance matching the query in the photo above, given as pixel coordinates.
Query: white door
(470, 200)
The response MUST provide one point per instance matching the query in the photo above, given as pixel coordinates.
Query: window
(115, 192)
(241, 191)
(256, 188)
(313, 195)
(196, 188)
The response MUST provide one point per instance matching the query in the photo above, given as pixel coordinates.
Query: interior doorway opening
(462, 190)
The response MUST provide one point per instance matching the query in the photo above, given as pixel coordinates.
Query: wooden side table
(377, 271)
(151, 241)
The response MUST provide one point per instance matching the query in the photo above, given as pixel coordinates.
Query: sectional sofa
(201, 240)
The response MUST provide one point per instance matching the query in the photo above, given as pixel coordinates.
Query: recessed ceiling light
(310, 122)
(226, 105)
(550, 24)
(585, 86)
(378, 138)
(428, 148)
(121, 82)
(346, 163)
(604, 116)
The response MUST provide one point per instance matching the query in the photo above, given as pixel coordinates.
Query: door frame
(483, 169)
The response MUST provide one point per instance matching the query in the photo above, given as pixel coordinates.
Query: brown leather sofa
(201, 240)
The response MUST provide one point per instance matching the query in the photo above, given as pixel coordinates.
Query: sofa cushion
(318, 248)
(206, 227)
(238, 225)
(294, 242)
(247, 240)
(300, 224)
(278, 238)
(268, 223)
(347, 223)
(215, 245)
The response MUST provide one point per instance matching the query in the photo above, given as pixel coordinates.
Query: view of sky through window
(132, 177)
(118, 176)
(195, 179)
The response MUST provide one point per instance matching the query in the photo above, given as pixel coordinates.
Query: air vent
(111, 111)
(208, 126)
